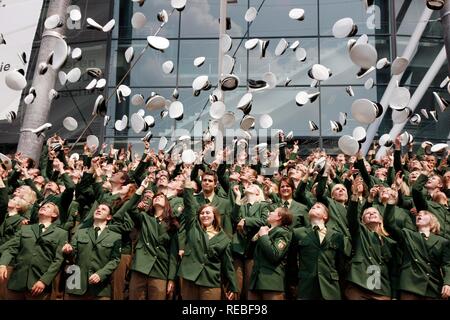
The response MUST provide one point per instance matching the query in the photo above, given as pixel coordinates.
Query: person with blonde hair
(248, 215)
(12, 210)
(36, 251)
(373, 253)
(434, 202)
(425, 270)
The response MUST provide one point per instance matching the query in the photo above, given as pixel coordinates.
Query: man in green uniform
(36, 252)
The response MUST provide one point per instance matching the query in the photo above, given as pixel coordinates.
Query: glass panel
(434, 26)
(201, 19)
(369, 21)
(125, 10)
(427, 51)
(428, 129)
(148, 70)
(280, 105)
(77, 104)
(161, 124)
(407, 15)
(335, 100)
(273, 19)
(285, 66)
(334, 55)
(191, 49)
(93, 55)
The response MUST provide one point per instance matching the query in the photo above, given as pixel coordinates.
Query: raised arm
(321, 189)
(353, 217)
(3, 200)
(360, 165)
(224, 177)
(301, 194)
(121, 214)
(389, 219)
(190, 204)
(398, 155)
(274, 249)
(138, 173)
(417, 193)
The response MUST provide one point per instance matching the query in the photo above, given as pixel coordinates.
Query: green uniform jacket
(123, 226)
(101, 256)
(156, 250)
(176, 203)
(62, 200)
(8, 229)
(372, 256)
(304, 196)
(255, 217)
(35, 257)
(299, 213)
(369, 180)
(316, 265)
(270, 257)
(403, 218)
(225, 208)
(422, 203)
(424, 261)
(205, 260)
(338, 215)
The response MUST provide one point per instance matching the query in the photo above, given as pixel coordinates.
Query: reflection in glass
(373, 20)
(273, 19)
(191, 49)
(334, 55)
(286, 65)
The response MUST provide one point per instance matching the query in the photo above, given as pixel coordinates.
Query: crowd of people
(105, 225)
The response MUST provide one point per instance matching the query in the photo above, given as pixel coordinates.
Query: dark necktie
(424, 235)
(41, 228)
(96, 229)
(247, 209)
(286, 204)
(316, 232)
(207, 201)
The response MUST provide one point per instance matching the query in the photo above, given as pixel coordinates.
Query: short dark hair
(286, 216)
(213, 174)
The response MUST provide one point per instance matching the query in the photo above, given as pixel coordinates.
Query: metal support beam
(36, 114)
(417, 96)
(408, 53)
(222, 32)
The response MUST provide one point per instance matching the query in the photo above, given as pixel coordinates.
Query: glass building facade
(195, 32)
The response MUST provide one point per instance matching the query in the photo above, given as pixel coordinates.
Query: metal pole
(222, 32)
(320, 88)
(408, 53)
(174, 122)
(417, 96)
(445, 20)
(36, 114)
